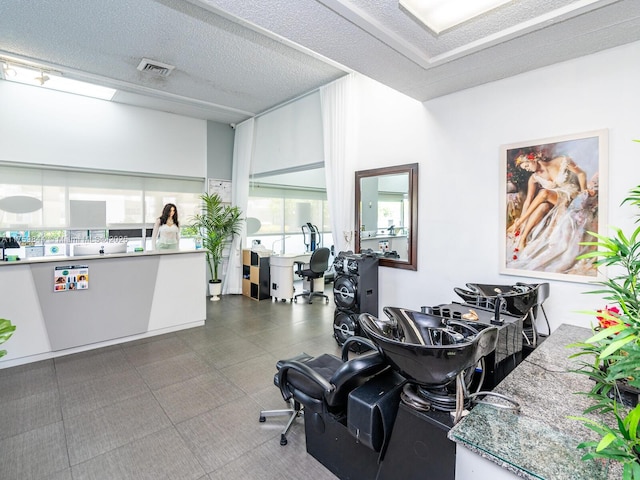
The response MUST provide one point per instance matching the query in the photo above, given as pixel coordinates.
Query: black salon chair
(321, 385)
(318, 264)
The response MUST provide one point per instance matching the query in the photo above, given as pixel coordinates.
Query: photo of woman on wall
(552, 202)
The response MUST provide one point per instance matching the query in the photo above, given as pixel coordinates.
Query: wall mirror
(387, 214)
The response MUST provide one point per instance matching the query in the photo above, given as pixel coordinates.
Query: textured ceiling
(238, 58)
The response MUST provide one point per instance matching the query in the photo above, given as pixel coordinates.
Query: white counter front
(128, 296)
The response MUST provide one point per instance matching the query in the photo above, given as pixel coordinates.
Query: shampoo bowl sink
(517, 299)
(426, 349)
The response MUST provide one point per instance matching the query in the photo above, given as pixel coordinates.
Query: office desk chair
(318, 264)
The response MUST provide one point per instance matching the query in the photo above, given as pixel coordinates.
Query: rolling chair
(322, 384)
(318, 264)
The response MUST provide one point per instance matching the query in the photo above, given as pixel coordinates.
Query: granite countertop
(539, 442)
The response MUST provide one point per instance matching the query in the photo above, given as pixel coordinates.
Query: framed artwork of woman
(553, 193)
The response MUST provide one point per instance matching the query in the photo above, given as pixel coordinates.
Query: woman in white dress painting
(166, 230)
(558, 210)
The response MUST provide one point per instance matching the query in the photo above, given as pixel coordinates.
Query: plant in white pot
(217, 223)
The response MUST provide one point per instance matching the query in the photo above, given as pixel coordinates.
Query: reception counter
(540, 442)
(125, 296)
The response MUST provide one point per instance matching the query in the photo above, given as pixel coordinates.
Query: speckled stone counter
(540, 442)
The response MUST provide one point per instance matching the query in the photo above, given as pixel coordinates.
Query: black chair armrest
(302, 369)
(360, 340)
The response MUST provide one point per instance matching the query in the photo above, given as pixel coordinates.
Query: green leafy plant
(611, 357)
(218, 223)
(6, 330)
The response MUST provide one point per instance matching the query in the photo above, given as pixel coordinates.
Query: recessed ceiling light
(440, 15)
(54, 81)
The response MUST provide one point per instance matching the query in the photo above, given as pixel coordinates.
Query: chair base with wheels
(312, 292)
(295, 409)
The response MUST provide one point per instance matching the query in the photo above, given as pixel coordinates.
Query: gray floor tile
(287, 336)
(271, 461)
(79, 398)
(160, 456)
(173, 370)
(44, 364)
(107, 428)
(206, 336)
(184, 400)
(314, 347)
(219, 436)
(82, 367)
(26, 413)
(24, 382)
(35, 454)
(255, 325)
(62, 475)
(232, 351)
(155, 349)
(252, 375)
(269, 398)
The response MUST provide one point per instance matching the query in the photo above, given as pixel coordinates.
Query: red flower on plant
(609, 320)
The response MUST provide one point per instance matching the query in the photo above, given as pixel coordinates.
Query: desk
(282, 274)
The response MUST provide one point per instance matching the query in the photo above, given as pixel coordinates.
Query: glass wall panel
(282, 212)
(131, 200)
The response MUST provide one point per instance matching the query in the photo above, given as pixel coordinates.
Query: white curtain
(242, 153)
(339, 126)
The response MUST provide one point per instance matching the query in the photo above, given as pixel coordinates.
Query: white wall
(456, 140)
(53, 128)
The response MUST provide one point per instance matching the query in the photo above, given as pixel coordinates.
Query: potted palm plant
(611, 357)
(217, 223)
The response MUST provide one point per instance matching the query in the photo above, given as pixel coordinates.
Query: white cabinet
(282, 274)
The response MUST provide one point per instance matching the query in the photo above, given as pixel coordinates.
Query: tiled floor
(178, 406)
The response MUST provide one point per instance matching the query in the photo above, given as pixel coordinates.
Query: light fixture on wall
(42, 78)
(7, 71)
(38, 76)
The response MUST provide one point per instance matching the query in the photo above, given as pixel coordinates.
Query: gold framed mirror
(387, 214)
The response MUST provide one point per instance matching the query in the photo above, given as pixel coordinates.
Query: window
(392, 211)
(283, 211)
(40, 198)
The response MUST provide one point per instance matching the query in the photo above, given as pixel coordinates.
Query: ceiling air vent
(156, 68)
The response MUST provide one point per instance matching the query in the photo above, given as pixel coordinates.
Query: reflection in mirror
(387, 214)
